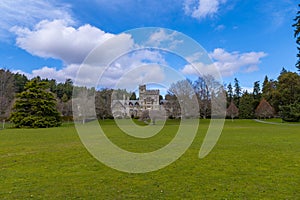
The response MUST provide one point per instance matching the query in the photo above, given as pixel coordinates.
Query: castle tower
(142, 90)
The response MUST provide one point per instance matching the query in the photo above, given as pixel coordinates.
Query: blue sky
(247, 39)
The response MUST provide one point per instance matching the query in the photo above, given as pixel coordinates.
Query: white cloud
(55, 39)
(201, 9)
(59, 75)
(126, 70)
(134, 68)
(220, 27)
(147, 73)
(227, 63)
(162, 39)
(29, 12)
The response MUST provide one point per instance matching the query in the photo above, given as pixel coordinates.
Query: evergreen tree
(246, 106)
(133, 96)
(297, 36)
(288, 96)
(256, 90)
(270, 93)
(35, 107)
(283, 70)
(64, 88)
(265, 86)
(256, 94)
(229, 93)
(291, 112)
(20, 82)
(237, 92)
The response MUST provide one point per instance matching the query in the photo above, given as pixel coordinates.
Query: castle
(125, 108)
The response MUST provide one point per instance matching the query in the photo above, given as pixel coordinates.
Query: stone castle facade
(125, 108)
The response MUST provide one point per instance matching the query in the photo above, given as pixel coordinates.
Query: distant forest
(271, 98)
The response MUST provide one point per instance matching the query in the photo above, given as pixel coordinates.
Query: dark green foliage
(246, 106)
(35, 107)
(270, 93)
(288, 88)
(64, 88)
(288, 96)
(291, 112)
(256, 94)
(256, 90)
(133, 96)
(229, 93)
(237, 92)
(160, 98)
(20, 82)
(103, 103)
(297, 36)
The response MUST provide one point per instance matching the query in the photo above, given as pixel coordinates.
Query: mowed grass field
(250, 161)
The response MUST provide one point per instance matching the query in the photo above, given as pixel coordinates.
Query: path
(276, 123)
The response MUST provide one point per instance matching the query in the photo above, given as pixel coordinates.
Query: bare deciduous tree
(83, 104)
(186, 97)
(7, 92)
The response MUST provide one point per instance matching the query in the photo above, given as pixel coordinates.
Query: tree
(65, 108)
(20, 82)
(270, 93)
(172, 106)
(103, 103)
(232, 111)
(237, 92)
(246, 106)
(186, 97)
(283, 70)
(256, 90)
(7, 92)
(160, 98)
(83, 104)
(256, 94)
(288, 95)
(264, 110)
(265, 86)
(133, 96)
(297, 36)
(289, 88)
(64, 88)
(229, 92)
(35, 107)
(291, 112)
(203, 96)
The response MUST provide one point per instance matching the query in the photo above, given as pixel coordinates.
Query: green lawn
(250, 161)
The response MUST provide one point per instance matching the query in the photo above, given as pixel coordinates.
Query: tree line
(24, 101)
(272, 98)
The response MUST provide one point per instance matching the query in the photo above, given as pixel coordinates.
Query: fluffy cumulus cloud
(226, 63)
(28, 13)
(56, 39)
(201, 9)
(87, 52)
